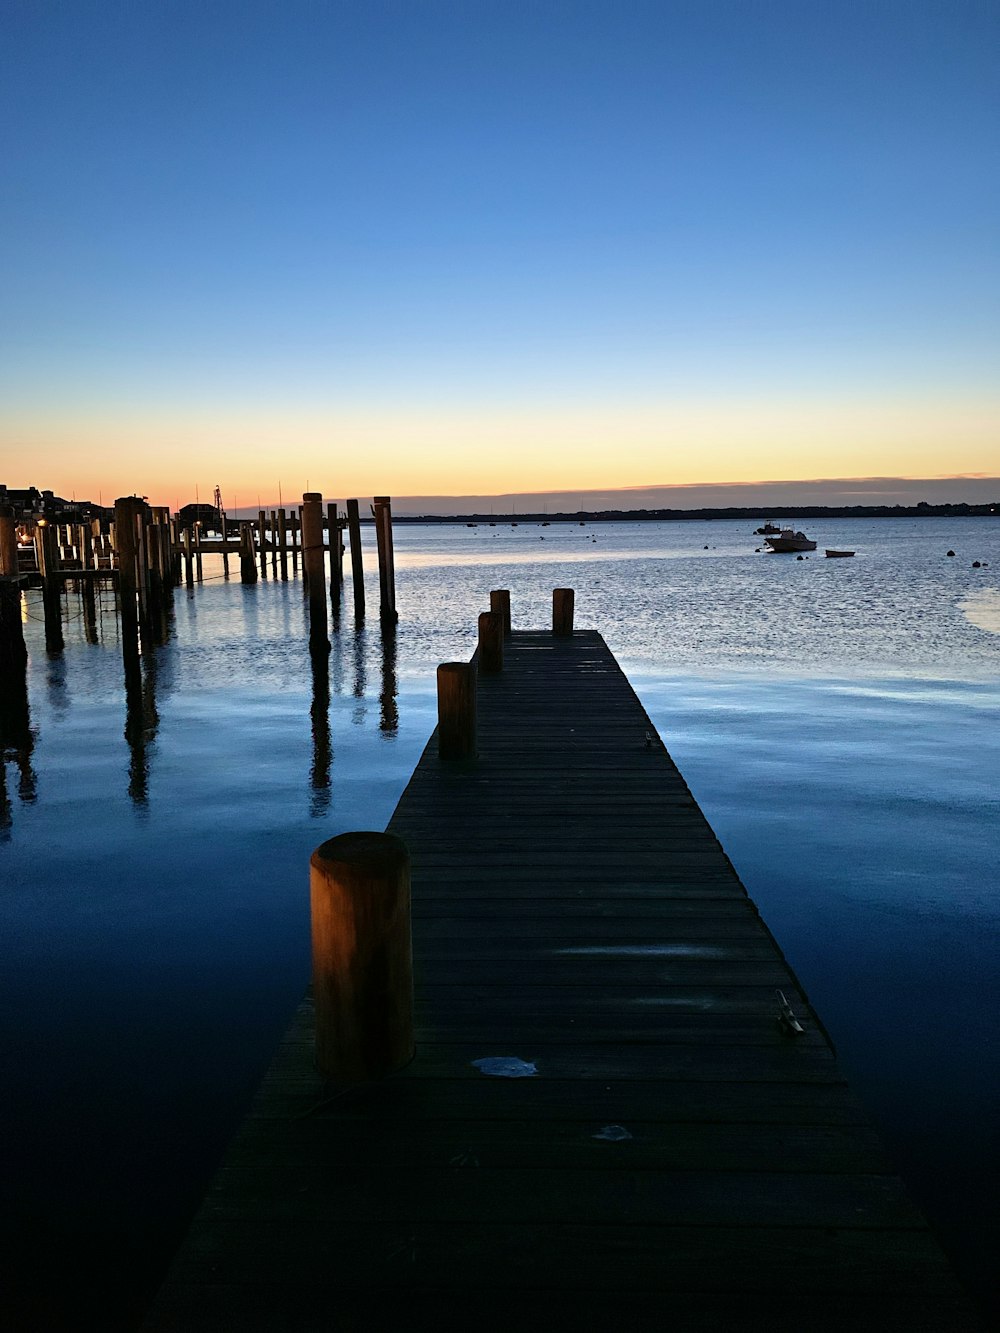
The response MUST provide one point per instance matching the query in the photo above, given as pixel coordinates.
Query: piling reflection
(16, 745)
(322, 755)
(388, 705)
(360, 684)
(141, 723)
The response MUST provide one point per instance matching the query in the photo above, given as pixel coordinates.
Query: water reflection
(360, 675)
(388, 707)
(141, 723)
(16, 744)
(319, 713)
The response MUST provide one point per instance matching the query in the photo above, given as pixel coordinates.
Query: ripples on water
(836, 719)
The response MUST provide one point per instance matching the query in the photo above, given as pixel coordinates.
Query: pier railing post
(312, 566)
(490, 642)
(500, 602)
(362, 956)
(562, 612)
(456, 692)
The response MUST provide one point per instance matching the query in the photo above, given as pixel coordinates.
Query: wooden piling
(262, 529)
(248, 560)
(333, 542)
(126, 540)
(294, 527)
(274, 544)
(224, 525)
(456, 692)
(490, 642)
(562, 612)
(13, 653)
(382, 509)
(283, 544)
(8, 542)
(47, 550)
(357, 566)
(312, 565)
(188, 559)
(199, 568)
(500, 602)
(362, 956)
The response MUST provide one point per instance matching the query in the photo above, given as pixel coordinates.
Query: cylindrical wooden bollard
(490, 642)
(312, 564)
(500, 602)
(248, 557)
(362, 956)
(456, 690)
(562, 611)
(8, 542)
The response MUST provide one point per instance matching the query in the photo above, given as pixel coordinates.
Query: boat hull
(785, 544)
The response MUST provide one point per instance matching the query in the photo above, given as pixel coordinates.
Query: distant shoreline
(758, 514)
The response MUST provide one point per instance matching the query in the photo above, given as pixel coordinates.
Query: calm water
(837, 720)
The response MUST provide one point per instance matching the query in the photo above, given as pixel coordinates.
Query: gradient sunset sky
(495, 246)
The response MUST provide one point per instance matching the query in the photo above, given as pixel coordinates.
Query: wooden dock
(652, 1148)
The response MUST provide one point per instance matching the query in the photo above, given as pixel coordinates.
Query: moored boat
(840, 554)
(787, 540)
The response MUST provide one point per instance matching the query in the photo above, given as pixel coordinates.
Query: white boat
(787, 540)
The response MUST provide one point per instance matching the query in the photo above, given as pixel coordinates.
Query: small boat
(787, 540)
(769, 529)
(839, 554)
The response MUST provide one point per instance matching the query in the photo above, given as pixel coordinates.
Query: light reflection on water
(836, 720)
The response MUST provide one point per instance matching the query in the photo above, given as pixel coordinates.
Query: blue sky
(333, 218)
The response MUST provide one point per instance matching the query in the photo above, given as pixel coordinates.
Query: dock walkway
(654, 1150)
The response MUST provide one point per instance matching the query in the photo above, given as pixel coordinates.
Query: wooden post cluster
(312, 564)
(500, 603)
(562, 612)
(382, 509)
(357, 568)
(362, 956)
(456, 693)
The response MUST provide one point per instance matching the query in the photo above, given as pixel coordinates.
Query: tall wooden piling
(13, 653)
(362, 956)
(126, 542)
(261, 532)
(199, 567)
(47, 551)
(357, 567)
(8, 542)
(274, 544)
(500, 603)
(283, 545)
(188, 558)
(490, 642)
(312, 564)
(382, 510)
(294, 527)
(248, 559)
(333, 542)
(456, 693)
(224, 525)
(562, 612)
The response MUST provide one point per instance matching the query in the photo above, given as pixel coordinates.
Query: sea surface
(838, 721)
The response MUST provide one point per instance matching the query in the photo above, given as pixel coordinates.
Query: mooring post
(362, 956)
(8, 542)
(294, 528)
(13, 653)
(126, 543)
(382, 509)
(562, 612)
(283, 544)
(199, 569)
(500, 603)
(312, 566)
(456, 692)
(188, 559)
(262, 530)
(490, 642)
(357, 566)
(274, 544)
(248, 557)
(224, 525)
(47, 552)
(333, 542)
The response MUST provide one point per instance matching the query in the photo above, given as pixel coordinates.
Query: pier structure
(623, 1112)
